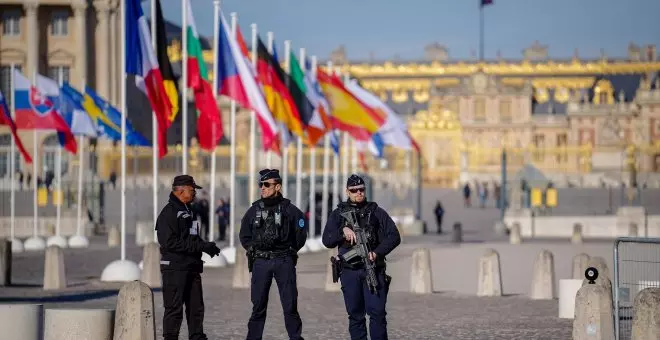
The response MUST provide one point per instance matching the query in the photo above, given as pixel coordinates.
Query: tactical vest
(267, 229)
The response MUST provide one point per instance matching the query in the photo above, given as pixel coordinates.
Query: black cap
(267, 174)
(185, 180)
(354, 181)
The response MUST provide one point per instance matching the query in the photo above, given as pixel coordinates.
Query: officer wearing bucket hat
(382, 237)
(273, 230)
(181, 263)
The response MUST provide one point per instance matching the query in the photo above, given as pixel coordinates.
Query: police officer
(383, 237)
(181, 250)
(272, 232)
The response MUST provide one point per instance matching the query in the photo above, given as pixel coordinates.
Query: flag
(104, 126)
(486, 2)
(237, 80)
(299, 86)
(209, 122)
(278, 97)
(35, 109)
(141, 61)
(394, 131)
(110, 118)
(286, 137)
(166, 71)
(5, 119)
(348, 113)
(74, 113)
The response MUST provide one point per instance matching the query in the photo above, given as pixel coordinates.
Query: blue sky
(389, 28)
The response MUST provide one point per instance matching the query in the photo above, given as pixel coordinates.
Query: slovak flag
(34, 110)
(141, 61)
(237, 80)
(5, 119)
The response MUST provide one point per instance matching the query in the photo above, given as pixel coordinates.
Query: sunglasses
(355, 190)
(266, 184)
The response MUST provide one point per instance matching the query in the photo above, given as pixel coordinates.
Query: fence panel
(636, 267)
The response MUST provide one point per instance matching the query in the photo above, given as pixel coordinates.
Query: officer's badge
(301, 223)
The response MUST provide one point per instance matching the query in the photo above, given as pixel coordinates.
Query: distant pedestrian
(466, 195)
(439, 214)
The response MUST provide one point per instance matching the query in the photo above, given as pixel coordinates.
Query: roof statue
(338, 56)
(536, 52)
(436, 52)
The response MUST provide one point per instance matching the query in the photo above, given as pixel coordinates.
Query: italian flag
(209, 121)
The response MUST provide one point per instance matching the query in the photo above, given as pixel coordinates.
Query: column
(79, 10)
(115, 53)
(31, 8)
(102, 48)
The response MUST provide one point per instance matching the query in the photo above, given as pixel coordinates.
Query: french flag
(141, 61)
(5, 119)
(237, 80)
(35, 109)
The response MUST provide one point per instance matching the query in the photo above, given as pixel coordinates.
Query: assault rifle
(360, 249)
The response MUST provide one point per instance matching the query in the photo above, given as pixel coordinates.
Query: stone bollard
(514, 234)
(144, 233)
(580, 264)
(646, 311)
(457, 233)
(420, 277)
(114, 238)
(241, 272)
(54, 270)
(603, 273)
(577, 234)
(134, 319)
(490, 278)
(500, 228)
(329, 285)
(593, 314)
(633, 230)
(151, 265)
(23, 322)
(5, 262)
(79, 324)
(543, 282)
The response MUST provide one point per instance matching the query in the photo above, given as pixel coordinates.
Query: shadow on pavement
(72, 297)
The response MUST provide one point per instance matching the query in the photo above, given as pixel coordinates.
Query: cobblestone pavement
(436, 316)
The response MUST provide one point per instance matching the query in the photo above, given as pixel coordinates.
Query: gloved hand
(211, 249)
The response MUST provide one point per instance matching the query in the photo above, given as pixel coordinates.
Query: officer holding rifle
(365, 234)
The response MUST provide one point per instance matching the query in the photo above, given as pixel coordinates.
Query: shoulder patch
(182, 214)
(301, 223)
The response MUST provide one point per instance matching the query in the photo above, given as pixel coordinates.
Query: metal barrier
(636, 266)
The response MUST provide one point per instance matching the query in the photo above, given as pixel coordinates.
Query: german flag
(169, 81)
(278, 97)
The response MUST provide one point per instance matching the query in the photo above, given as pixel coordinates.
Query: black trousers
(283, 269)
(183, 288)
(360, 301)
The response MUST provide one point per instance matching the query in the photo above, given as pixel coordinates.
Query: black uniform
(181, 263)
(383, 237)
(273, 230)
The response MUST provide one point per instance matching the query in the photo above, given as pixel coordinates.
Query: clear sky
(389, 28)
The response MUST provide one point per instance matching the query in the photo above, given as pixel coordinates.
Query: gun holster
(250, 258)
(336, 268)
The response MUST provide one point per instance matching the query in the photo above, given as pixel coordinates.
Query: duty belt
(272, 254)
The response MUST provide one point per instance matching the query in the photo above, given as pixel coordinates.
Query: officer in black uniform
(383, 237)
(272, 232)
(181, 250)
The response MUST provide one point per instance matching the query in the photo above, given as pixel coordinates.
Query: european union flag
(486, 2)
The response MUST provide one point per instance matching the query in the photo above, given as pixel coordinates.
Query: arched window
(5, 152)
(603, 92)
(49, 155)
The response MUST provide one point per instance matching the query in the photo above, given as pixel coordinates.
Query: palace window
(5, 81)
(59, 22)
(562, 142)
(505, 110)
(60, 74)
(539, 148)
(11, 22)
(603, 92)
(480, 109)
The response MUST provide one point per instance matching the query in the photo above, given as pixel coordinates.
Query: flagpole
(184, 93)
(216, 29)
(269, 153)
(232, 164)
(35, 242)
(312, 162)
(57, 239)
(481, 31)
(285, 148)
(16, 244)
(154, 131)
(335, 157)
(253, 128)
(346, 145)
(299, 149)
(326, 162)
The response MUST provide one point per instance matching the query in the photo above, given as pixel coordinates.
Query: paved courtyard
(446, 315)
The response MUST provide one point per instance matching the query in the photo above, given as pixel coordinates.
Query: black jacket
(178, 235)
(294, 224)
(387, 235)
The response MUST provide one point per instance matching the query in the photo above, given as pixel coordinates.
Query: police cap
(185, 180)
(354, 181)
(267, 174)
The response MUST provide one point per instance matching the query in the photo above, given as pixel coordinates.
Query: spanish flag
(169, 81)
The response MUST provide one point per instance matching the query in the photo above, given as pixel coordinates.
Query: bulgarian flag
(209, 121)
